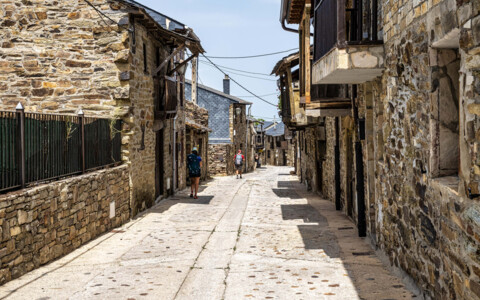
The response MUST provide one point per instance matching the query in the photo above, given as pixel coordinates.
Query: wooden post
(341, 30)
(290, 93)
(81, 121)
(21, 143)
(194, 79)
(306, 48)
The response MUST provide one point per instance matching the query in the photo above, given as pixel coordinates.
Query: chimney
(226, 85)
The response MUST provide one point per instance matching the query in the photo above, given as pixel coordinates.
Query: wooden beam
(194, 79)
(293, 108)
(177, 50)
(306, 49)
(181, 64)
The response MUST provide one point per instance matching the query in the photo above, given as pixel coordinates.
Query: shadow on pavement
(314, 236)
(286, 193)
(302, 211)
(284, 184)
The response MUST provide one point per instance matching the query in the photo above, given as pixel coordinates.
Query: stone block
(15, 231)
(122, 56)
(22, 217)
(77, 64)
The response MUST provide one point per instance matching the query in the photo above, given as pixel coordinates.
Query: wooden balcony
(166, 100)
(329, 100)
(346, 49)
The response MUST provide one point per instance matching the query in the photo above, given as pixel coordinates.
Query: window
(445, 157)
(145, 68)
(268, 154)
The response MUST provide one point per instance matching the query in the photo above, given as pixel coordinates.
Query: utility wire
(240, 74)
(248, 72)
(250, 56)
(250, 96)
(101, 14)
(239, 83)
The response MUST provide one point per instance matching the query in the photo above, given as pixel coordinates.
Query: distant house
(278, 150)
(229, 124)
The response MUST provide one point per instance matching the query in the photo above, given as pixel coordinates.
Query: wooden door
(159, 164)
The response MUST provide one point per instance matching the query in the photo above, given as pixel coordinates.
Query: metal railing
(38, 147)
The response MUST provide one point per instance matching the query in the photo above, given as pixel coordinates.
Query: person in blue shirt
(194, 164)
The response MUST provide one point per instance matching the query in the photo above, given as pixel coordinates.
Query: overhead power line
(101, 14)
(251, 56)
(240, 85)
(240, 74)
(243, 71)
(249, 96)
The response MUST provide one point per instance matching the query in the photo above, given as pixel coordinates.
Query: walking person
(194, 164)
(239, 158)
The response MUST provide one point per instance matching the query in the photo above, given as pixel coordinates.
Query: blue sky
(235, 28)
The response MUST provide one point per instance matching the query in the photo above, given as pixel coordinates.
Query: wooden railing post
(341, 24)
(21, 142)
(81, 121)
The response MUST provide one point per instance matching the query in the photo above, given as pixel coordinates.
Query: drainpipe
(246, 137)
(338, 204)
(174, 154)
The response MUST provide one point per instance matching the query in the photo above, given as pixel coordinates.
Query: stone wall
(51, 69)
(328, 166)
(308, 169)
(428, 225)
(220, 159)
(40, 224)
(139, 136)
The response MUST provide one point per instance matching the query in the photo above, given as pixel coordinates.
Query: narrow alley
(263, 237)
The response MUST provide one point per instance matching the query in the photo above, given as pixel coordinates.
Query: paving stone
(240, 239)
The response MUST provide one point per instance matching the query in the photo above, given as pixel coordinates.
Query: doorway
(159, 164)
(350, 171)
(321, 152)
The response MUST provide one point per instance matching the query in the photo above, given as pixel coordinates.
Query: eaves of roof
(169, 26)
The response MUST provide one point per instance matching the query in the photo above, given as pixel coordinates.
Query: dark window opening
(157, 57)
(446, 76)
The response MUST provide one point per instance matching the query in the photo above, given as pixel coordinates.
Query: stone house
(387, 123)
(230, 127)
(278, 150)
(116, 60)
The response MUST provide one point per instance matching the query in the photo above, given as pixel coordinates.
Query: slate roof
(277, 130)
(266, 124)
(218, 106)
(233, 98)
(170, 26)
(164, 21)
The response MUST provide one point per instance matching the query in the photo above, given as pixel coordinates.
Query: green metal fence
(42, 147)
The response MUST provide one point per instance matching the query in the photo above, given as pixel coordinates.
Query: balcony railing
(165, 97)
(337, 24)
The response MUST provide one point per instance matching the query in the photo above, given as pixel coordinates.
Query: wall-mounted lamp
(238, 111)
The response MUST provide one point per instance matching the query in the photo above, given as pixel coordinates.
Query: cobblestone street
(262, 237)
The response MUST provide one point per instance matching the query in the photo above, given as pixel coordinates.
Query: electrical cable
(248, 72)
(250, 56)
(275, 105)
(210, 65)
(100, 13)
(250, 96)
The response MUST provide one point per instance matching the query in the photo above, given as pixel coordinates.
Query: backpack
(238, 159)
(193, 163)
